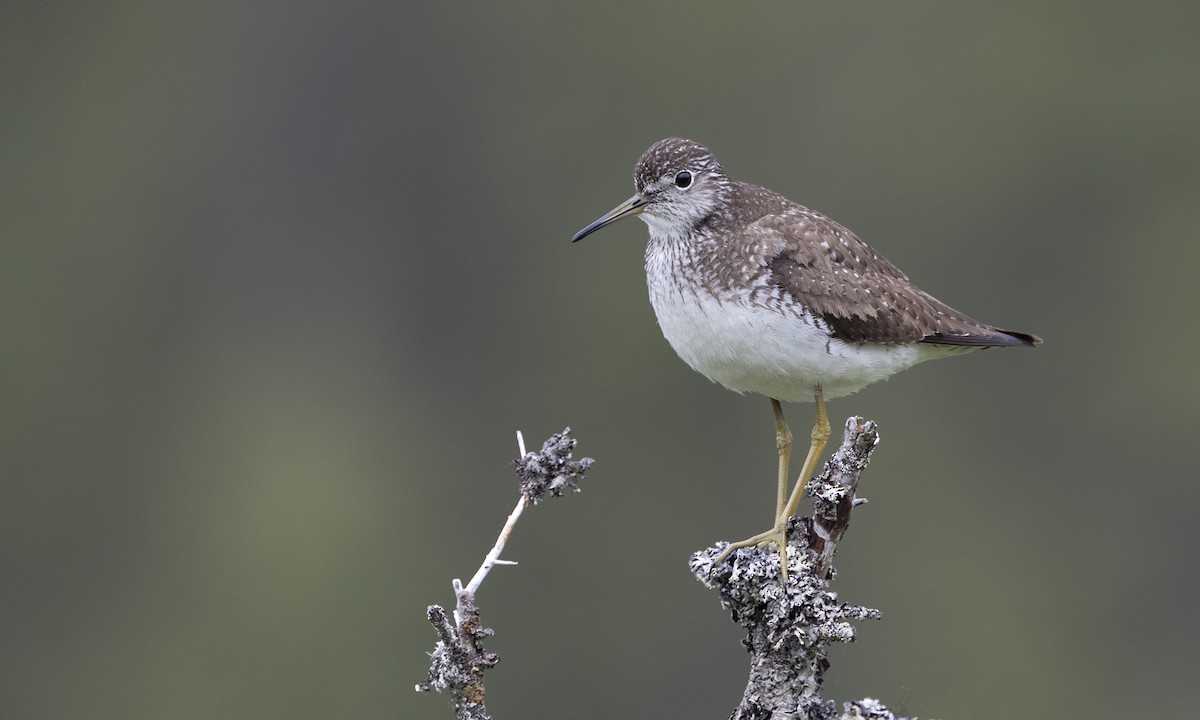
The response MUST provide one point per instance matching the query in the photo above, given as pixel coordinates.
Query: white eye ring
(683, 180)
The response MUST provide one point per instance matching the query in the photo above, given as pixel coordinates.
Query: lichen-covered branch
(459, 660)
(789, 624)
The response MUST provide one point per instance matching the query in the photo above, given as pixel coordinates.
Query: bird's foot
(776, 535)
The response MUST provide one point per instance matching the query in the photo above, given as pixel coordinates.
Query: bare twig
(493, 557)
(458, 661)
(789, 625)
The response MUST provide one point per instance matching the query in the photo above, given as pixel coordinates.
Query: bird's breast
(747, 336)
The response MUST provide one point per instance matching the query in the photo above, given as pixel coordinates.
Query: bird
(763, 295)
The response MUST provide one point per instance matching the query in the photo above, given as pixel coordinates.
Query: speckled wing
(860, 295)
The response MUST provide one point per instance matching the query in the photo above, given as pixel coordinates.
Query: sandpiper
(763, 295)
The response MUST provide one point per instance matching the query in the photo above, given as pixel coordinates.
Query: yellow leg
(786, 508)
(820, 434)
(783, 443)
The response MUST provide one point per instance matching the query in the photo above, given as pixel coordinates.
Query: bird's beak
(629, 208)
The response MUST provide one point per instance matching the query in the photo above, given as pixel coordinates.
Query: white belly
(759, 350)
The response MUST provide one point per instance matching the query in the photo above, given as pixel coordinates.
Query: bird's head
(679, 183)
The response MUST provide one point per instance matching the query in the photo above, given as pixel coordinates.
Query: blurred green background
(279, 281)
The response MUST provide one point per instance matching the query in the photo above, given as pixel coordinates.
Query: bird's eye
(683, 180)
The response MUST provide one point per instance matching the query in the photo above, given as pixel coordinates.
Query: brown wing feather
(859, 294)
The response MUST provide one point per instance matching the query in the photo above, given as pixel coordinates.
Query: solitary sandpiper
(763, 295)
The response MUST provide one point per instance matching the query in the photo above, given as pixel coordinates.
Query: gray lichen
(552, 470)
